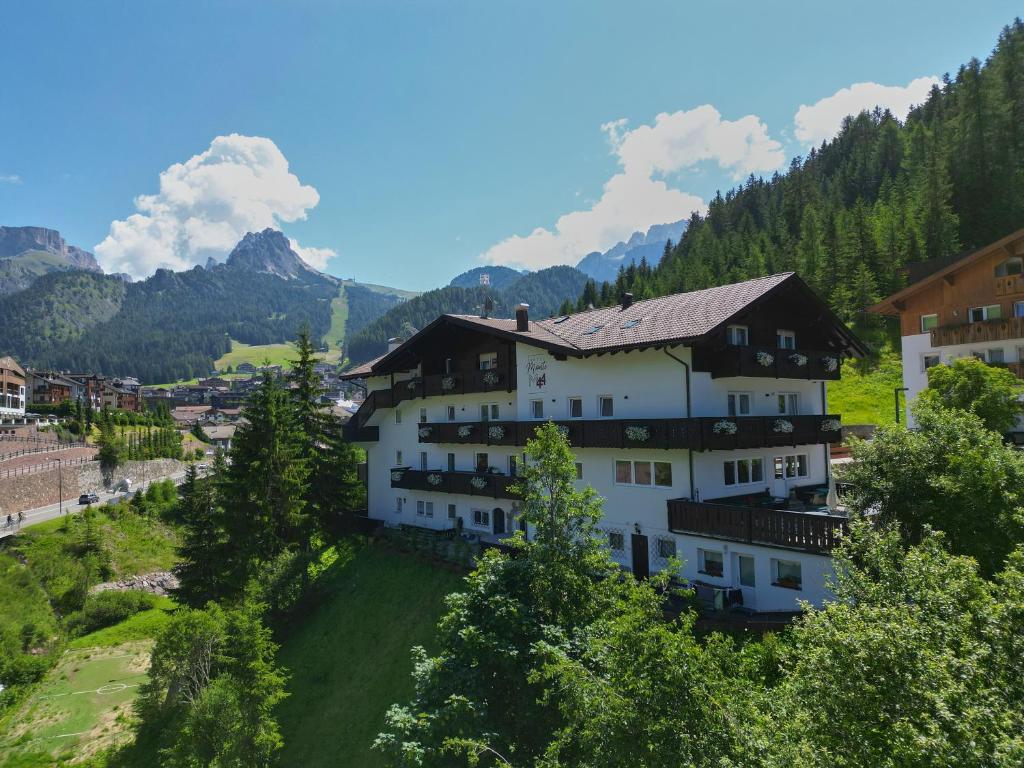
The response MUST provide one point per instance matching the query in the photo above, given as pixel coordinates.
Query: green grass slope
(864, 395)
(350, 660)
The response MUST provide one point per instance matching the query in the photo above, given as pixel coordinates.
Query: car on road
(88, 498)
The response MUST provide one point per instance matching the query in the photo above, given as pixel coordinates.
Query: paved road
(70, 506)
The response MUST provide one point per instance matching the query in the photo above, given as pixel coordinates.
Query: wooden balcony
(466, 483)
(977, 333)
(768, 362)
(804, 531)
(699, 434)
(1009, 285)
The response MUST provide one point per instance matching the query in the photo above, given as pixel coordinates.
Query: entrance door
(499, 520)
(641, 565)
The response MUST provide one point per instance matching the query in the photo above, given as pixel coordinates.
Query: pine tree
(199, 573)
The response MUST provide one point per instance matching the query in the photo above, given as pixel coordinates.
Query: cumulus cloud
(639, 195)
(205, 205)
(315, 257)
(10, 178)
(822, 120)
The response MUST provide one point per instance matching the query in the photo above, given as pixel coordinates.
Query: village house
(188, 415)
(971, 305)
(701, 418)
(12, 391)
(51, 388)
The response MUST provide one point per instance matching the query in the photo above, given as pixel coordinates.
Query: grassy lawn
(339, 316)
(258, 354)
(864, 395)
(350, 660)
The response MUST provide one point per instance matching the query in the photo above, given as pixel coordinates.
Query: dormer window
(737, 335)
(786, 339)
(1012, 266)
(488, 361)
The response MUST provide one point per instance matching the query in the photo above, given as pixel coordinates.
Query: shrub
(105, 609)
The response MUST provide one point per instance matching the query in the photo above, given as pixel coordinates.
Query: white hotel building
(701, 418)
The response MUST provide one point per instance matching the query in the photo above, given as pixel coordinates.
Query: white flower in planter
(724, 427)
(797, 359)
(490, 378)
(413, 383)
(448, 383)
(763, 358)
(434, 479)
(784, 426)
(637, 433)
(396, 476)
(478, 482)
(424, 432)
(496, 432)
(465, 430)
(830, 363)
(563, 431)
(830, 425)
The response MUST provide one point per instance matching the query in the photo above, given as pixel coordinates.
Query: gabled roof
(10, 364)
(926, 273)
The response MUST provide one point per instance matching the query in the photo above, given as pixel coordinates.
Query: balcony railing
(1009, 285)
(769, 362)
(700, 434)
(974, 333)
(467, 483)
(809, 532)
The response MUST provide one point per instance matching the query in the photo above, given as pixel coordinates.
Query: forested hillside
(544, 291)
(878, 196)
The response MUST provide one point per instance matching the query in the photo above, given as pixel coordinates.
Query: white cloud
(822, 120)
(315, 257)
(205, 205)
(639, 196)
(11, 178)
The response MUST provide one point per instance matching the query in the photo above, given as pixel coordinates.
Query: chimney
(522, 317)
(627, 300)
(394, 343)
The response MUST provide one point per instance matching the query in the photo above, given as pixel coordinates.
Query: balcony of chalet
(761, 520)
(699, 434)
(487, 484)
(767, 362)
(1001, 329)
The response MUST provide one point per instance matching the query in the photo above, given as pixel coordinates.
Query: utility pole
(896, 397)
(60, 488)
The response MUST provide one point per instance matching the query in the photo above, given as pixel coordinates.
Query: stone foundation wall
(39, 490)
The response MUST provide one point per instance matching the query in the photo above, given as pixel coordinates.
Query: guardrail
(33, 469)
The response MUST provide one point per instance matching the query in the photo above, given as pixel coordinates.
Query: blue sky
(417, 138)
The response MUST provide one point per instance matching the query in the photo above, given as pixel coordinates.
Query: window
(513, 465)
(786, 339)
(482, 463)
(743, 471)
(423, 415)
(537, 409)
(398, 416)
(451, 413)
(736, 335)
(451, 511)
(482, 518)
(746, 569)
(398, 505)
(424, 509)
(423, 460)
(489, 412)
(787, 573)
(447, 365)
(605, 406)
(1012, 266)
(710, 562)
(988, 312)
(666, 548)
(1018, 309)
(616, 541)
(488, 361)
(928, 322)
(398, 458)
(788, 403)
(657, 473)
(788, 467)
(996, 355)
(929, 361)
(739, 403)
(575, 408)
(451, 462)
(579, 471)
(978, 354)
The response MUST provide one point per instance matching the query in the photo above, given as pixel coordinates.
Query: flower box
(725, 427)
(465, 430)
(496, 432)
(830, 363)
(424, 432)
(830, 425)
(490, 378)
(798, 360)
(434, 479)
(783, 426)
(637, 433)
(764, 359)
(478, 482)
(448, 383)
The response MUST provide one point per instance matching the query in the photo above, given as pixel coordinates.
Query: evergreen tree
(201, 550)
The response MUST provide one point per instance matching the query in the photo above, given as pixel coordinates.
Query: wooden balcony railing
(804, 531)
(467, 483)
(974, 333)
(769, 362)
(699, 434)
(1009, 285)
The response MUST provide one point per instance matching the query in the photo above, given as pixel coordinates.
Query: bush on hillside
(105, 609)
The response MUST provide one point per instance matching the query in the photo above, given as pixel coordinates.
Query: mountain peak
(268, 251)
(26, 253)
(649, 245)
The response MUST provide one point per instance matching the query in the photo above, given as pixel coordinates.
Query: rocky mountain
(26, 253)
(270, 251)
(497, 277)
(648, 245)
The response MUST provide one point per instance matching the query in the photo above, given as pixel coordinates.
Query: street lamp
(896, 397)
(60, 487)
